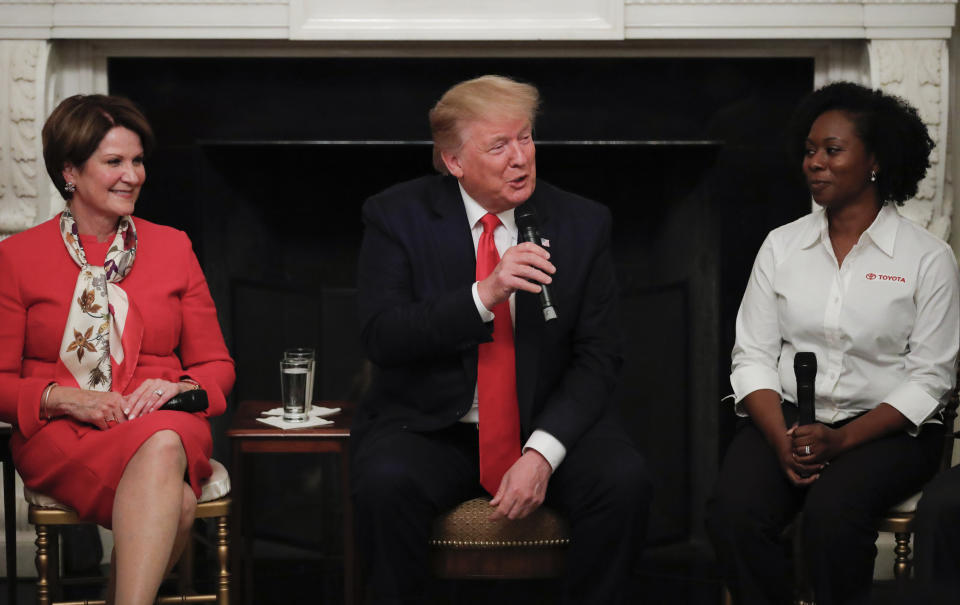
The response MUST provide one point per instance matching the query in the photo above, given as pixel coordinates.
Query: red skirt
(81, 466)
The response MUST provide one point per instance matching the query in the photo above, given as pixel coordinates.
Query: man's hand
(519, 265)
(522, 488)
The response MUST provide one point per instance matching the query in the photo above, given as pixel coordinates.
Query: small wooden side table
(9, 511)
(249, 436)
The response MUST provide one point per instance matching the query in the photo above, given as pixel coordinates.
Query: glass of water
(294, 378)
(309, 355)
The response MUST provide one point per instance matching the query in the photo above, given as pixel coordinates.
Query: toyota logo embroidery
(882, 277)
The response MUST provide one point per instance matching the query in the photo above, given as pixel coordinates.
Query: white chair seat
(216, 487)
(907, 506)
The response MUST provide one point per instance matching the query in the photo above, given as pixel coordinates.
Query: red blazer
(181, 333)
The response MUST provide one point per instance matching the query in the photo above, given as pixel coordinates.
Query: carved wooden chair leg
(223, 555)
(43, 565)
(902, 563)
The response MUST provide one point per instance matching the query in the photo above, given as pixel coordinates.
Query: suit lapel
(454, 249)
(452, 235)
(529, 333)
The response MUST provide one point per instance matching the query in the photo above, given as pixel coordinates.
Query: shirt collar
(475, 212)
(882, 232)
(816, 230)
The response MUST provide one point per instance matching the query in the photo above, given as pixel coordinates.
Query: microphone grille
(525, 216)
(805, 364)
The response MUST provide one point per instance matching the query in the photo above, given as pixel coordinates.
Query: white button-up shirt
(885, 326)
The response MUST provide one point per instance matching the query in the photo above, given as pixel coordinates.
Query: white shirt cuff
(548, 446)
(914, 403)
(748, 379)
(485, 314)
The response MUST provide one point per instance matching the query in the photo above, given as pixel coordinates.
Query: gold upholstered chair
(465, 544)
(46, 514)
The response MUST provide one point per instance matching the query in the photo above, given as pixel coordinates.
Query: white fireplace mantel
(476, 20)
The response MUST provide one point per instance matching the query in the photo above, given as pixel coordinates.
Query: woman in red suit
(103, 319)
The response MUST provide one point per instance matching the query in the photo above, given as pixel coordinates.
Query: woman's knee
(164, 448)
(733, 514)
(831, 521)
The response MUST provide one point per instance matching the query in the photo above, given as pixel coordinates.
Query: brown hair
(75, 128)
(480, 98)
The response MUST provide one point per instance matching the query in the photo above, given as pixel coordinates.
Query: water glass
(294, 375)
(307, 354)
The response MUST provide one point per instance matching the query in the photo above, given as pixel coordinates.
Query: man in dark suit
(473, 386)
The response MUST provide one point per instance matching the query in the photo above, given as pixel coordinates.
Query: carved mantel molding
(918, 71)
(22, 175)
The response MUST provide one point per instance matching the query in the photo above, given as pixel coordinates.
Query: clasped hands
(522, 267)
(807, 450)
(104, 409)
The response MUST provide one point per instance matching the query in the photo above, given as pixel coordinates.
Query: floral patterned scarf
(101, 341)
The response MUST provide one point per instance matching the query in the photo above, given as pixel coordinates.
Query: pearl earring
(873, 176)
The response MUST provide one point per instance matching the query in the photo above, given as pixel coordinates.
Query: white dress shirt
(885, 326)
(505, 236)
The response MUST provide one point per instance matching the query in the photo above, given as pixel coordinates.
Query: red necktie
(496, 378)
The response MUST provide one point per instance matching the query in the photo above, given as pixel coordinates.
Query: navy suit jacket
(420, 326)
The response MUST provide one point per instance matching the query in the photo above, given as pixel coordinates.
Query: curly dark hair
(75, 128)
(889, 127)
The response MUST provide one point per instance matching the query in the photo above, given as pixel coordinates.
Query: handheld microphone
(528, 225)
(805, 369)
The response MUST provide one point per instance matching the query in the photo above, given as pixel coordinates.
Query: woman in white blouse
(875, 298)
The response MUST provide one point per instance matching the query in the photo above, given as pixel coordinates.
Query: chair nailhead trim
(499, 543)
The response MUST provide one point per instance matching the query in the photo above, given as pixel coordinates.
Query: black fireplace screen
(266, 162)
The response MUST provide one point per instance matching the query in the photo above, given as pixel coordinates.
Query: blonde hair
(485, 97)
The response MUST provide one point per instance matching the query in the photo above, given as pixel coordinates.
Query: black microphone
(805, 369)
(527, 223)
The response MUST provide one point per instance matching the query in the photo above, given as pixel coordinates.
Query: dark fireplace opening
(266, 163)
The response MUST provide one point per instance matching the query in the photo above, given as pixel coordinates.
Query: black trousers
(937, 539)
(403, 480)
(754, 501)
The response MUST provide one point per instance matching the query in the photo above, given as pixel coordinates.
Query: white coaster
(279, 422)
